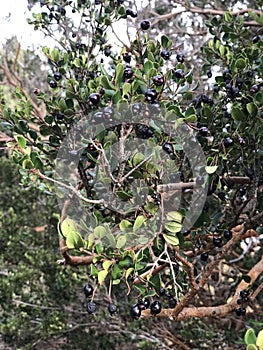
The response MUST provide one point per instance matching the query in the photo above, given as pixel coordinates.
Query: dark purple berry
(250, 173)
(204, 131)
(228, 142)
(254, 89)
(91, 307)
(112, 309)
(57, 76)
(168, 148)
(217, 241)
(243, 294)
(162, 292)
(158, 80)
(88, 290)
(180, 57)
(135, 311)
(240, 311)
(216, 88)
(209, 74)
(156, 307)
(165, 54)
(107, 51)
(53, 84)
(146, 303)
(130, 12)
(172, 303)
(150, 95)
(128, 73)
(94, 99)
(145, 25)
(227, 234)
(127, 57)
(204, 256)
(179, 73)
(255, 39)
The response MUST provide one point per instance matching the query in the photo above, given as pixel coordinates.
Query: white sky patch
(13, 19)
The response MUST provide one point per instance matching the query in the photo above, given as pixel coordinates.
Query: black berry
(168, 148)
(180, 57)
(128, 73)
(158, 80)
(165, 54)
(145, 25)
(91, 307)
(228, 142)
(244, 294)
(135, 311)
(112, 309)
(227, 234)
(88, 290)
(204, 256)
(94, 99)
(53, 84)
(57, 76)
(204, 131)
(240, 311)
(156, 307)
(172, 303)
(126, 57)
(217, 241)
(130, 12)
(150, 95)
(162, 292)
(179, 73)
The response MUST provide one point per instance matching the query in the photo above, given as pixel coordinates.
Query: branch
(205, 11)
(212, 311)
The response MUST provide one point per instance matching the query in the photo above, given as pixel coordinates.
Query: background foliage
(217, 93)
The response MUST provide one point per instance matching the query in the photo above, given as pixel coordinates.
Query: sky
(13, 21)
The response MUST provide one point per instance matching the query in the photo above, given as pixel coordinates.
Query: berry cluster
(242, 300)
(155, 306)
(91, 306)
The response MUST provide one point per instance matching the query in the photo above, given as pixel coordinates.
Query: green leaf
(259, 341)
(137, 158)
(21, 141)
(240, 63)
(120, 242)
(138, 222)
(251, 347)
(115, 282)
(116, 97)
(55, 55)
(210, 169)
(164, 41)
(237, 114)
(99, 248)
(250, 336)
(116, 272)
(173, 226)
(101, 276)
(126, 89)
(124, 224)
(148, 65)
(93, 270)
(173, 240)
(190, 111)
(119, 74)
(123, 195)
(74, 240)
(252, 109)
(106, 83)
(99, 232)
(128, 272)
(106, 264)
(174, 216)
